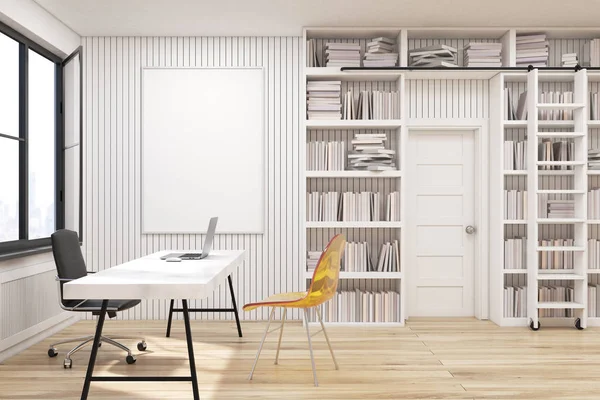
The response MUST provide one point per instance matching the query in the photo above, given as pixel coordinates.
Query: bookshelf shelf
(560, 248)
(561, 191)
(593, 271)
(514, 271)
(353, 174)
(551, 124)
(559, 305)
(353, 224)
(560, 163)
(593, 124)
(593, 221)
(514, 172)
(566, 135)
(334, 73)
(515, 221)
(561, 277)
(312, 124)
(593, 172)
(364, 275)
(560, 220)
(546, 172)
(560, 106)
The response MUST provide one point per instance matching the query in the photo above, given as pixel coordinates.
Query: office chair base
(68, 362)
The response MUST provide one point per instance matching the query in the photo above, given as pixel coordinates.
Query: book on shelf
(342, 54)
(593, 303)
(351, 206)
(515, 204)
(311, 54)
(594, 106)
(312, 259)
(556, 150)
(515, 155)
(555, 208)
(547, 293)
(389, 257)
(532, 49)
(590, 53)
(556, 98)
(515, 253)
(510, 112)
(593, 204)
(322, 206)
(594, 159)
(323, 100)
(393, 207)
(515, 301)
(380, 53)
(593, 253)
(361, 306)
(558, 259)
(369, 153)
(357, 257)
(439, 55)
(569, 60)
(326, 156)
(478, 54)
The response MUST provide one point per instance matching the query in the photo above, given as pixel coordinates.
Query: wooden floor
(434, 359)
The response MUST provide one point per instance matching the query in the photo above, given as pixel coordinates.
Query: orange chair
(322, 288)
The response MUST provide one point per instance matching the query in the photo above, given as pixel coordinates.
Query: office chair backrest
(327, 273)
(67, 255)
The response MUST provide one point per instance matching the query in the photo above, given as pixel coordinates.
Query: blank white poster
(203, 149)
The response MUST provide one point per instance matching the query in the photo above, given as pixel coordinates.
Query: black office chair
(70, 266)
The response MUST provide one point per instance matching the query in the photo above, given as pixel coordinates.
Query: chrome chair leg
(280, 335)
(127, 337)
(261, 343)
(77, 348)
(327, 338)
(78, 339)
(312, 358)
(116, 344)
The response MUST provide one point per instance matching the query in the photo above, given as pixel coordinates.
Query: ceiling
(287, 17)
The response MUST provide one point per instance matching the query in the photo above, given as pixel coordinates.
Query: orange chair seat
(290, 299)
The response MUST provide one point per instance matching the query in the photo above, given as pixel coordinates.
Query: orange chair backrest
(327, 273)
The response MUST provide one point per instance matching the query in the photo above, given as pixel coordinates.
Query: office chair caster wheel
(68, 363)
(52, 352)
(578, 324)
(533, 328)
(130, 359)
(142, 346)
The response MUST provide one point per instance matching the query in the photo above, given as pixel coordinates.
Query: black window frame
(24, 245)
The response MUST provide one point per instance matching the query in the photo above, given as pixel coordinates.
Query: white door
(440, 208)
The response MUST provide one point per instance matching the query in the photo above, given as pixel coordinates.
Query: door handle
(470, 229)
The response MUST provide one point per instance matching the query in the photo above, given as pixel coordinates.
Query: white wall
(112, 232)
(31, 20)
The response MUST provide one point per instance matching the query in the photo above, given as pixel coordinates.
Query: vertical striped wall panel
(112, 117)
(26, 302)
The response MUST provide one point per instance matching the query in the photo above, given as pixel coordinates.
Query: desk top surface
(150, 277)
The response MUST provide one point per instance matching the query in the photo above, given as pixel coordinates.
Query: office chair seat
(96, 305)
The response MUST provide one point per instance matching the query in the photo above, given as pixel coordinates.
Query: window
(30, 143)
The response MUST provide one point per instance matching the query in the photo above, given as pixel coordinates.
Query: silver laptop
(210, 234)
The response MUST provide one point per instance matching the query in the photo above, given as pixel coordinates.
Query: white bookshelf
(375, 233)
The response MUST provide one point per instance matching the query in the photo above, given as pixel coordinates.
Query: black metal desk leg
(190, 346)
(235, 311)
(168, 334)
(90, 369)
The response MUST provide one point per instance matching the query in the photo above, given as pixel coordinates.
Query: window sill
(25, 253)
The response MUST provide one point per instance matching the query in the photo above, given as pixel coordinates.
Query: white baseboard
(35, 334)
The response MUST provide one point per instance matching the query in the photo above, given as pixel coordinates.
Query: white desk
(152, 278)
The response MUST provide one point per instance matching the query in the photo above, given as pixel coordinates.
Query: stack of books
(556, 98)
(515, 204)
(593, 254)
(311, 54)
(369, 153)
(342, 54)
(325, 156)
(548, 293)
(389, 257)
(357, 257)
(438, 55)
(593, 204)
(360, 306)
(560, 150)
(380, 53)
(515, 254)
(323, 99)
(556, 259)
(590, 54)
(322, 206)
(569, 60)
(594, 160)
(515, 302)
(515, 155)
(393, 207)
(477, 54)
(532, 50)
(548, 208)
(594, 106)
(593, 300)
(363, 206)
(312, 259)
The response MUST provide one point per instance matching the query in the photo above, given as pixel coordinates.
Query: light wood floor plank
(428, 359)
